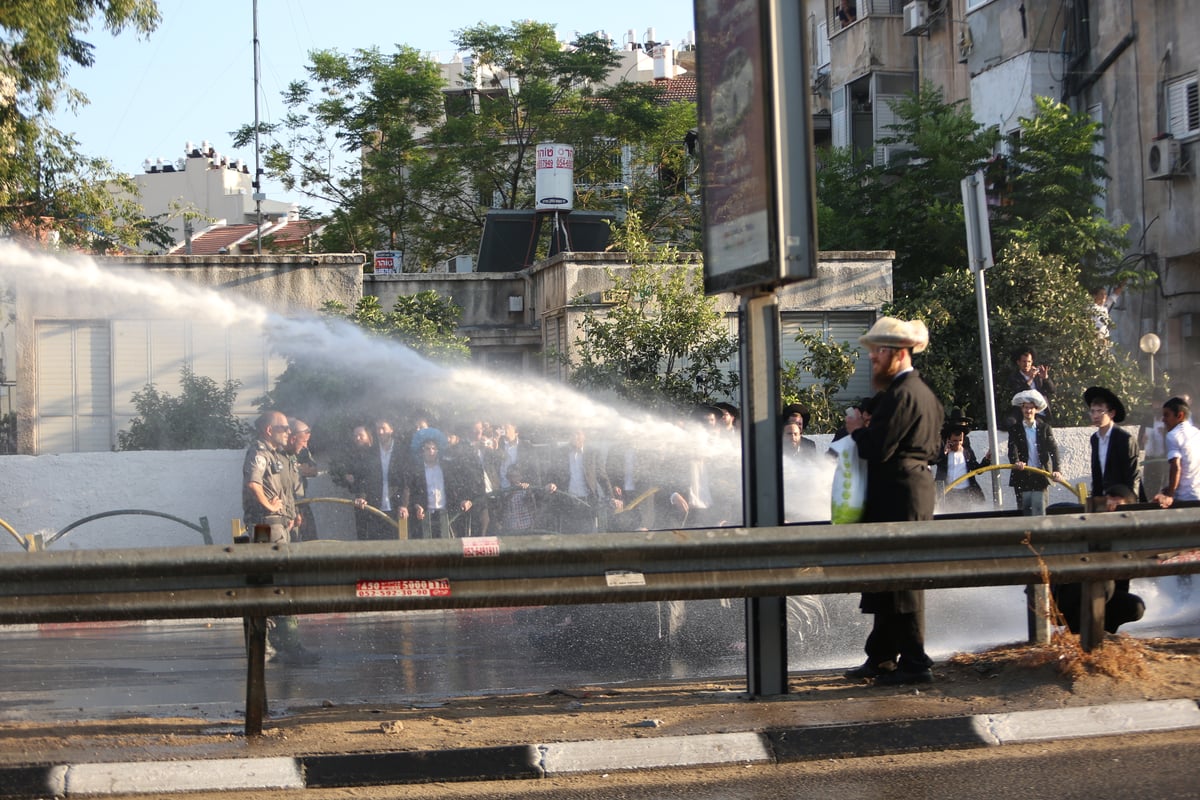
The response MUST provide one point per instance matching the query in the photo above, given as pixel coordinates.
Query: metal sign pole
(979, 254)
(762, 484)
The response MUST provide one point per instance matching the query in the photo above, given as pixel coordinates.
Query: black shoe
(902, 677)
(868, 670)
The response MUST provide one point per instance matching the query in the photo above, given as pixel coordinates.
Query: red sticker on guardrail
(439, 587)
(475, 546)
(1181, 558)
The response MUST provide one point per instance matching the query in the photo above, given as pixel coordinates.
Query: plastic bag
(849, 492)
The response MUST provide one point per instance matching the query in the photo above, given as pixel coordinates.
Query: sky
(193, 78)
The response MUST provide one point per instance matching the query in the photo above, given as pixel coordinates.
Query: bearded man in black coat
(902, 439)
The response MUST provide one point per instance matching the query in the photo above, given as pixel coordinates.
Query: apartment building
(1132, 66)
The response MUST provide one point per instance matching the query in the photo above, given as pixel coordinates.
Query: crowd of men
(488, 479)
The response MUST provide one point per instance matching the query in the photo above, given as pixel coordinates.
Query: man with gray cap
(899, 443)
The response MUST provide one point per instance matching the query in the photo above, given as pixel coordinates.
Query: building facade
(1133, 67)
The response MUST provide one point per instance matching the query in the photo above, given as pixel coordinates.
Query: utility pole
(257, 183)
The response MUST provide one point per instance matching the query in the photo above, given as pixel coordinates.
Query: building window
(839, 326)
(1183, 107)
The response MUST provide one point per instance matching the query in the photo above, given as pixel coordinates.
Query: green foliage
(831, 364)
(914, 205)
(1047, 185)
(433, 161)
(357, 115)
(1036, 301)
(46, 184)
(662, 342)
(424, 322)
(1052, 242)
(1055, 175)
(199, 418)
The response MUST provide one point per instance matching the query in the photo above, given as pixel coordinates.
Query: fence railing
(328, 576)
(259, 580)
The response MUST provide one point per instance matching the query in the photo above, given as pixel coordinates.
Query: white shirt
(511, 453)
(435, 488)
(385, 461)
(1031, 439)
(956, 467)
(1183, 442)
(1102, 438)
(578, 482)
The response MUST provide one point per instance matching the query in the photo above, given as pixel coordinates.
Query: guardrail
(259, 580)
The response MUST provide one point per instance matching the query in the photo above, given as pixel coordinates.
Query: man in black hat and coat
(958, 460)
(901, 441)
(1116, 458)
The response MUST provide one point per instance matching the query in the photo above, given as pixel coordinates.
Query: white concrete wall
(43, 494)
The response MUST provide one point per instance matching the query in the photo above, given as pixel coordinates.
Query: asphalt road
(102, 672)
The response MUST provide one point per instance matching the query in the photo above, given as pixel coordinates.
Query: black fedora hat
(957, 421)
(1098, 394)
(798, 409)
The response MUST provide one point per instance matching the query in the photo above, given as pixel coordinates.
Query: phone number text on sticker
(476, 546)
(439, 587)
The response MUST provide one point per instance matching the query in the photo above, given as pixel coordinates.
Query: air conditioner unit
(916, 17)
(1162, 159)
(460, 264)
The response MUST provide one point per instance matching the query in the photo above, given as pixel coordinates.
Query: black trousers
(899, 637)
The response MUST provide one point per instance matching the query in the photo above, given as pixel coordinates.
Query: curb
(536, 761)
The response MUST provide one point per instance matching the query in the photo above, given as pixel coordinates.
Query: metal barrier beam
(322, 577)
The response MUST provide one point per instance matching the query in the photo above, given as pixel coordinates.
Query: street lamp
(1149, 344)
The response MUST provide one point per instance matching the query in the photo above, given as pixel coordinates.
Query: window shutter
(841, 326)
(1183, 107)
(839, 121)
(884, 118)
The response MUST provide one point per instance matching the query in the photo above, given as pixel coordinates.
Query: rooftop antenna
(257, 183)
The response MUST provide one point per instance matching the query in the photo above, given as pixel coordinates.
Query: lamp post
(1149, 344)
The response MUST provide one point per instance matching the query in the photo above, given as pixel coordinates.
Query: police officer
(269, 486)
(269, 481)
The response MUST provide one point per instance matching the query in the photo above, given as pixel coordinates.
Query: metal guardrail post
(256, 651)
(1037, 609)
(1091, 595)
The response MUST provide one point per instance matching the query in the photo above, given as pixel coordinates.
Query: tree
(914, 204)
(46, 185)
(662, 342)
(1055, 175)
(1051, 240)
(417, 163)
(424, 322)
(1058, 325)
(831, 364)
(370, 107)
(199, 418)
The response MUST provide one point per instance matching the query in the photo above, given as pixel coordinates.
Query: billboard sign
(756, 144)
(388, 262)
(555, 177)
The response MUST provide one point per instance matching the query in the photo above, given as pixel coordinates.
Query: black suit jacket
(903, 439)
(368, 475)
(1123, 465)
(1018, 450)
